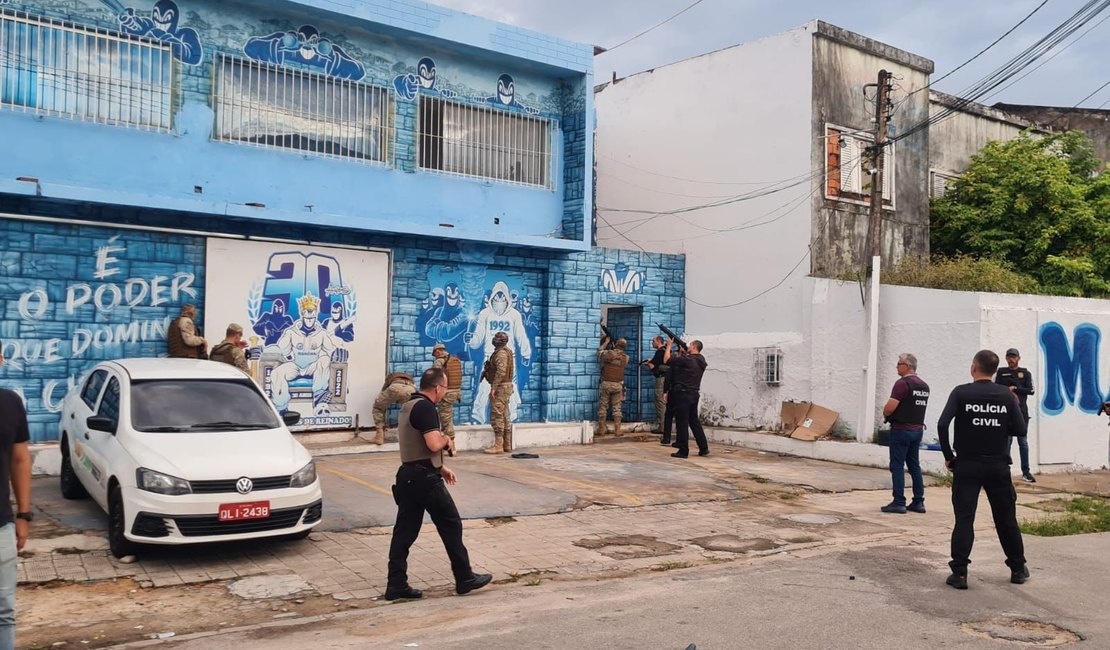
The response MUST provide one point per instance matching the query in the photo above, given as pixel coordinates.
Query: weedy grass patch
(1081, 515)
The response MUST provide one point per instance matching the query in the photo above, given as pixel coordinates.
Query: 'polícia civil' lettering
(984, 408)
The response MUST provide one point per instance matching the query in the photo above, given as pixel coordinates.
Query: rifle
(608, 334)
(666, 330)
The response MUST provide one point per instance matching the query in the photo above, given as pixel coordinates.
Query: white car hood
(219, 455)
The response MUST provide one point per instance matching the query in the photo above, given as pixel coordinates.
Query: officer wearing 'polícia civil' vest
(905, 410)
(986, 415)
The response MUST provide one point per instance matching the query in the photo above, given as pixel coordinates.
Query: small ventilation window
(768, 366)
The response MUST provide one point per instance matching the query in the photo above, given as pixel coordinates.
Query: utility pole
(882, 118)
(875, 234)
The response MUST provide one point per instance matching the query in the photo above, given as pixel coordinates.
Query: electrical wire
(626, 237)
(787, 209)
(981, 52)
(809, 250)
(1015, 66)
(792, 205)
(747, 197)
(819, 173)
(705, 182)
(772, 188)
(654, 27)
(655, 190)
(1046, 61)
(1096, 91)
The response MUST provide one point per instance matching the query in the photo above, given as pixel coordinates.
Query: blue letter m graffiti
(1068, 370)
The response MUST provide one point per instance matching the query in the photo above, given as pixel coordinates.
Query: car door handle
(87, 436)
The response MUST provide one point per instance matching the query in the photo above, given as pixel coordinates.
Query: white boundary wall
(944, 329)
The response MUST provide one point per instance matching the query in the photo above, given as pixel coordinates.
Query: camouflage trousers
(611, 393)
(499, 409)
(446, 408)
(393, 394)
(660, 405)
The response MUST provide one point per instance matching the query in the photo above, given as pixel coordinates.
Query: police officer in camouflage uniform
(397, 389)
(499, 373)
(182, 337)
(230, 350)
(611, 392)
(452, 367)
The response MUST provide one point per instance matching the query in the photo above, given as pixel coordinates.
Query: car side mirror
(290, 418)
(100, 423)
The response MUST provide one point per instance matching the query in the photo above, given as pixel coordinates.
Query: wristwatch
(25, 516)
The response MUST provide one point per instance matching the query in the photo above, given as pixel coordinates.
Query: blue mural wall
(466, 306)
(75, 295)
(124, 285)
(188, 169)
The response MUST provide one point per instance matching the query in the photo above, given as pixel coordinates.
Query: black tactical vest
(911, 410)
(984, 420)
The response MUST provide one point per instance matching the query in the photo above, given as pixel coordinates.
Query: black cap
(1012, 352)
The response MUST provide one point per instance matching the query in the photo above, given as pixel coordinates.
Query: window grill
(768, 366)
(96, 75)
(484, 142)
(287, 108)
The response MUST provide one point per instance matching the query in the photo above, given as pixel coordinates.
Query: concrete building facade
(390, 175)
(761, 182)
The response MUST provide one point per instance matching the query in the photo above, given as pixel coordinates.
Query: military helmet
(500, 339)
(621, 344)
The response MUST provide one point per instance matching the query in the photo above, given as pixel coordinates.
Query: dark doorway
(627, 323)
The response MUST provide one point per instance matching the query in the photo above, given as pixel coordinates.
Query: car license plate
(239, 511)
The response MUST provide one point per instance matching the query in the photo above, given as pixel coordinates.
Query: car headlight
(160, 483)
(305, 476)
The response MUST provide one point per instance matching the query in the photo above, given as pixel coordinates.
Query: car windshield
(177, 405)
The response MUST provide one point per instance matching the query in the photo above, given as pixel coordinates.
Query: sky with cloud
(946, 31)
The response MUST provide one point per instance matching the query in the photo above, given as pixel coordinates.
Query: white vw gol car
(178, 451)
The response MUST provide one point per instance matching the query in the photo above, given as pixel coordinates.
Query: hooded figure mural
(163, 24)
(499, 316)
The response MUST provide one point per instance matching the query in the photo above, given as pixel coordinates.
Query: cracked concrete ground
(578, 514)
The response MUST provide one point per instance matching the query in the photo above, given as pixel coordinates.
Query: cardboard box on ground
(807, 421)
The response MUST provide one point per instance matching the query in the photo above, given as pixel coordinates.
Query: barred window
(53, 67)
(287, 108)
(484, 142)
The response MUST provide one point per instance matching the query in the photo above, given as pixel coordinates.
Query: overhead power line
(984, 50)
(1045, 62)
(1015, 66)
(1096, 91)
(655, 27)
(793, 269)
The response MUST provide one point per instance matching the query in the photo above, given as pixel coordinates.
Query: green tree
(1033, 204)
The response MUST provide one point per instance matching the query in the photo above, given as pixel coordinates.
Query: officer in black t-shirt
(1020, 382)
(986, 415)
(687, 371)
(420, 488)
(659, 370)
(15, 472)
(905, 411)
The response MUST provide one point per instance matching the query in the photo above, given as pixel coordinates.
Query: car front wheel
(70, 484)
(117, 524)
